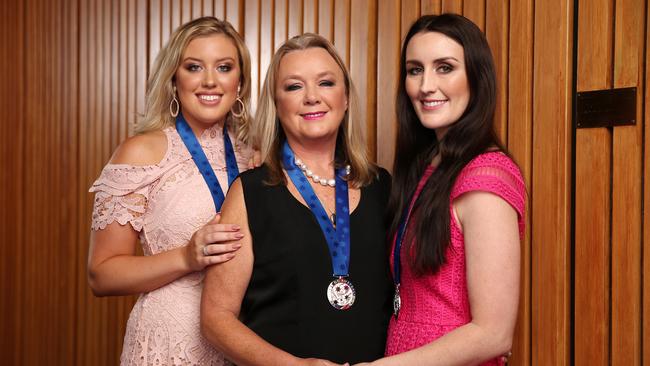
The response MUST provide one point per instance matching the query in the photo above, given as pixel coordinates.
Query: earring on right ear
(242, 107)
(174, 106)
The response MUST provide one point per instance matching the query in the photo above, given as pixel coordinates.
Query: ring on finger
(205, 250)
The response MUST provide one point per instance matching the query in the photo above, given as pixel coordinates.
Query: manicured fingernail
(236, 227)
(239, 235)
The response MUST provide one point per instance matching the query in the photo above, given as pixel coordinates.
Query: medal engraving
(341, 294)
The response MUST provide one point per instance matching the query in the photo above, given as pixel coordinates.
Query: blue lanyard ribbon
(401, 231)
(201, 161)
(338, 238)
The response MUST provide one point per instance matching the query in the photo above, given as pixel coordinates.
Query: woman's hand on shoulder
(145, 149)
(255, 160)
(212, 244)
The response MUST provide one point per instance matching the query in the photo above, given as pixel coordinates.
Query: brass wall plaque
(606, 108)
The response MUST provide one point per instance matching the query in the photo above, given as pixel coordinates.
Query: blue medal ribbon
(338, 238)
(201, 161)
(401, 231)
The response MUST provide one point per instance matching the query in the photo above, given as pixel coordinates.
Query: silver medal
(341, 294)
(397, 302)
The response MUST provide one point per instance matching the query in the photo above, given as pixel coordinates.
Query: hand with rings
(211, 244)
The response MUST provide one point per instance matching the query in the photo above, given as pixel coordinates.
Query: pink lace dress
(166, 203)
(434, 305)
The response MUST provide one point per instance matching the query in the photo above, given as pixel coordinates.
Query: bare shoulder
(145, 149)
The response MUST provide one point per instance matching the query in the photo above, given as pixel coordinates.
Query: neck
(318, 156)
(199, 127)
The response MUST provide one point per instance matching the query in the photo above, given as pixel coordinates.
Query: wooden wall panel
(452, 6)
(626, 196)
(496, 30)
(592, 192)
(326, 19)
(388, 54)
(553, 44)
(363, 64)
(645, 335)
(520, 126)
(430, 6)
(280, 23)
(342, 29)
(310, 16)
(475, 11)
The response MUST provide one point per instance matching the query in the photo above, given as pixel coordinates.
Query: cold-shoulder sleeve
(121, 194)
(498, 174)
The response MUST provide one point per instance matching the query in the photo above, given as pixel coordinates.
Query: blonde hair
(268, 136)
(160, 83)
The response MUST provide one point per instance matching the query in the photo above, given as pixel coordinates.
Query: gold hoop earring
(242, 109)
(174, 106)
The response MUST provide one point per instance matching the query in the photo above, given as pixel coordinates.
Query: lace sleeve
(495, 173)
(121, 194)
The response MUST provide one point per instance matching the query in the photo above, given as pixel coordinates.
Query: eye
(326, 83)
(224, 68)
(444, 68)
(292, 87)
(193, 67)
(415, 70)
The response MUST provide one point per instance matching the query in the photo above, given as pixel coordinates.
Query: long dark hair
(468, 137)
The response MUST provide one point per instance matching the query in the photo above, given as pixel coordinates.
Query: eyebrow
(318, 76)
(436, 61)
(218, 60)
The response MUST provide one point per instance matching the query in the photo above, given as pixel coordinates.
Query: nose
(209, 78)
(429, 82)
(311, 95)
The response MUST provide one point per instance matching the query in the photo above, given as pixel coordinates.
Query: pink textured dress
(166, 203)
(434, 305)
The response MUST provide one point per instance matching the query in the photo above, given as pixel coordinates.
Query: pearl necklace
(322, 181)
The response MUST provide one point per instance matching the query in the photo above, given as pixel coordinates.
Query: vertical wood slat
(280, 24)
(266, 41)
(431, 7)
(592, 193)
(452, 6)
(551, 179)
(235, 14)
(645, 335)
(294, 16)
(410, 13)
(626, 190)
(326, 19)
(252, 38)
(363, 63)
(520, 136)
(388, 54)
(496, 29)
(310, 16)
(342, 29)
(474, 10)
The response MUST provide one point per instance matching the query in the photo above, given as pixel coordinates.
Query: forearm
(133, 274)
(469, 344)
(240, 344)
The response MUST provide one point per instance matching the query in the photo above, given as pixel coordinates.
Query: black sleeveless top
(286, 301)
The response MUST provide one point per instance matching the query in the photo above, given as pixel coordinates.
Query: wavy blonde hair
(267, 134)
(160, 83)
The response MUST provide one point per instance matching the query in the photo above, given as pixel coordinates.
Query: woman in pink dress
(458, 204)
(163, 188)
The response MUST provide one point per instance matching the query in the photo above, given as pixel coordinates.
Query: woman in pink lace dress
(458, 204)
(153, 192)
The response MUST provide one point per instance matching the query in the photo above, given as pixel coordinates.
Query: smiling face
(207, 80)
(436, 80)
(310, 96)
